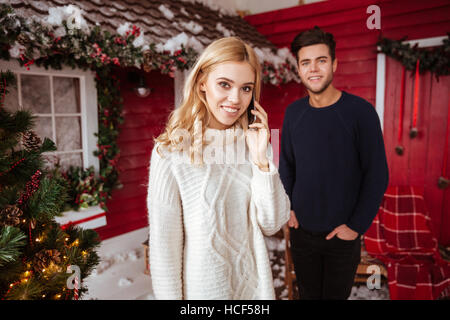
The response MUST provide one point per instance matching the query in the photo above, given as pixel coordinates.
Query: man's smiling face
(315, 67)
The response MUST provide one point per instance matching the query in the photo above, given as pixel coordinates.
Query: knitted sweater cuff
(265, 181)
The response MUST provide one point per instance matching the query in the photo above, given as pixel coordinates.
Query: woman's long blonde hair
(193, 115)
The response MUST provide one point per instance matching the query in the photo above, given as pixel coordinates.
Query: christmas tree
(38, 259)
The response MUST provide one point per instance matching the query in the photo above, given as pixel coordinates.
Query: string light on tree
(33, 268)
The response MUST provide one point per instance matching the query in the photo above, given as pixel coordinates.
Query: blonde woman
(214, 192)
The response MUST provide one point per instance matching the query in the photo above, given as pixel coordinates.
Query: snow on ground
(120, 274)
(363, 293)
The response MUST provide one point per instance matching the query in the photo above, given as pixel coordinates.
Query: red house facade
(166, 25)
(361, 71)
(358, 66)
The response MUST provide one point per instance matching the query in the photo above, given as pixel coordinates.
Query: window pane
(50, 160)
(66, 92)
(36, 93)
(70, 159)
(11, 101)
(43, 127)
(68, 133)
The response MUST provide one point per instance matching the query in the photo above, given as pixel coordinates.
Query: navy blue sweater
(333, 163)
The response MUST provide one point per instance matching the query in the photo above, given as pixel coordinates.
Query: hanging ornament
(443, 181)
(399, 148)
(414, 131)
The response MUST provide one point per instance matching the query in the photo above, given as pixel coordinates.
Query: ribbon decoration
(29, 235)
(414, 131)
(444, 182)
(77, 285)
(399, 148)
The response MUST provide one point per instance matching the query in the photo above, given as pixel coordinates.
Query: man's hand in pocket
(293, 223)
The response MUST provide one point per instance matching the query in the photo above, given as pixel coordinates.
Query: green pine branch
(6, 79)
(11, 241)
(435, 60)
(11, 126)
(49, 200)
(21, 173)
(31, 290)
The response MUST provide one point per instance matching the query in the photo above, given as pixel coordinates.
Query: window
(64, 103)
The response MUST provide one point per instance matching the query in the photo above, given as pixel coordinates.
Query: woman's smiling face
(228, 91)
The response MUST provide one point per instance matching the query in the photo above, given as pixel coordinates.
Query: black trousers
(325, 269)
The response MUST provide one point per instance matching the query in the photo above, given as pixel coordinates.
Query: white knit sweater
(207, 227)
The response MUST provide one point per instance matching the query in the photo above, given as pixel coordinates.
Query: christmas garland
(36, 253)
(55, 46)
(436, 59)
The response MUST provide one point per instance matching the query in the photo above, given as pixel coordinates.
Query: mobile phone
(251, 116)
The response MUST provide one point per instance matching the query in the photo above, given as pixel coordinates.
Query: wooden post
(146, 253)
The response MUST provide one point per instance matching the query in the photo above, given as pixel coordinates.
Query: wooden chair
(362, 274)
(146, 255)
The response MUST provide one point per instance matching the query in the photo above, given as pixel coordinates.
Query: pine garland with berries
(436, 60)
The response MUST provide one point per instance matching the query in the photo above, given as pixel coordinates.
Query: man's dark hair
(313, 36)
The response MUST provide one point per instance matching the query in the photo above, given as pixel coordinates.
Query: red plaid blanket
(400, 236)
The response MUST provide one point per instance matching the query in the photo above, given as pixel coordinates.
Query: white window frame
(381, 71)
(94, 216)
(88, 103)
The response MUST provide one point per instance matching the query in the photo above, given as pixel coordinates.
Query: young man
(333, 167)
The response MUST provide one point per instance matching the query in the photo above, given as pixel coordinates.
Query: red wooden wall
(356, 73)
(144, 119)
(346, 19)
(274, 100)
(422, 161)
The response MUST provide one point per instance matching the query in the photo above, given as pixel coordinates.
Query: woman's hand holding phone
(258, 137)
(250, 115)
